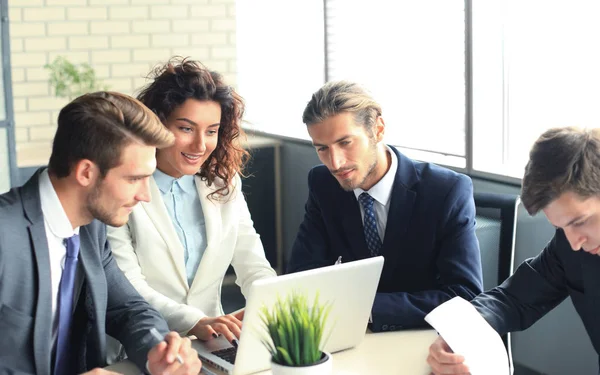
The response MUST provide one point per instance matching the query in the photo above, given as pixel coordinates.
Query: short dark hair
(561, 160)
(181, 79)
(337, 97)
(98, 126)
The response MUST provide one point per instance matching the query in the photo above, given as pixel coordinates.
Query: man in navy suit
(368, 199)
(562, 179)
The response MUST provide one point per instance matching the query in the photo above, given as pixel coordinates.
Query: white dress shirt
(382, 194)
(58, 228)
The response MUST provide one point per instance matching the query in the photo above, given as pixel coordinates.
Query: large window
(535, 66)
(411, 55)
(468, 84)
(280, 62)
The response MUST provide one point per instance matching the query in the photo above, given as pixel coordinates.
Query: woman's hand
(229, 326)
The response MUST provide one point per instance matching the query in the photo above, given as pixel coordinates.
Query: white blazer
(151, 255)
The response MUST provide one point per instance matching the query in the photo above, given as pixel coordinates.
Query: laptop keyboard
(227, 354)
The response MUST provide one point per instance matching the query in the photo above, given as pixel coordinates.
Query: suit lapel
(157, 212)
(42, 335)
(91, 264)
(401, 209)
(401, 206)
(212, 218)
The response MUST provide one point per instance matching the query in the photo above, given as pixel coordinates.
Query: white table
(400, 352)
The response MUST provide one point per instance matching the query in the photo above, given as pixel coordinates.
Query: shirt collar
(55, 216)
(382, 190)
(165, 182)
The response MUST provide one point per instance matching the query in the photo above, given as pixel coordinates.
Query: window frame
(468, 169)
(9, 121)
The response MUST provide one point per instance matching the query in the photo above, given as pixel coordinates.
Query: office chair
(496, 216)
(496, 223)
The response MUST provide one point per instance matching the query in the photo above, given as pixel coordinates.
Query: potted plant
(295, 335)
(70, 81)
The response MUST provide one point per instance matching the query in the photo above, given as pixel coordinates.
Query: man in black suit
(562, 179)
(369, 199)
(60, 288)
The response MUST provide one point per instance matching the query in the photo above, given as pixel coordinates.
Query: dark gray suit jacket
(540, 284)
(107, 302)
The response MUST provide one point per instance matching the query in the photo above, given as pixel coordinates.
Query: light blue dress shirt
(184, 207)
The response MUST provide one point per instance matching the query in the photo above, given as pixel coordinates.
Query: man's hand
(99, 371)
(443, 361)
(162, 359)
(229, 326)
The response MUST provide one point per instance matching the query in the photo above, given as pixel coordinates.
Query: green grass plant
(295, 329)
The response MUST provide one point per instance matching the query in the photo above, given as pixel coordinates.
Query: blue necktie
(65, 307)
(370, 224)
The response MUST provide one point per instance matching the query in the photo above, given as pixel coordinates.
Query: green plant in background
(70, 80)
(295, 329)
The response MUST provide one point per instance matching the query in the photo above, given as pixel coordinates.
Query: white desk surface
(399, 352)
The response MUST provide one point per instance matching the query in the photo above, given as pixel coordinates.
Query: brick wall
(121, 39)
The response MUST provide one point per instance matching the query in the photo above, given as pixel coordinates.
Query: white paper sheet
(469, 335)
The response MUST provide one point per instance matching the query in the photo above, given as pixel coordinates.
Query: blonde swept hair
(337, 97)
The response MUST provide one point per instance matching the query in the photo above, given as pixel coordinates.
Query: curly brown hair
(181, 79)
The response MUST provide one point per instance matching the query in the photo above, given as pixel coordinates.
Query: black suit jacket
(107, 302)
(540, 284)
(430, 249)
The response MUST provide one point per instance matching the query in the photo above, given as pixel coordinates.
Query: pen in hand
(158, 336)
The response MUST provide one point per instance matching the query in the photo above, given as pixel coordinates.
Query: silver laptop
(350, 287)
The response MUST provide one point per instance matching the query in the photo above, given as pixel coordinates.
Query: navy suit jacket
(540, 284)
(430, 249)
(107, 302)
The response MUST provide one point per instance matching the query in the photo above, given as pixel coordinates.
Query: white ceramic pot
(324, 367)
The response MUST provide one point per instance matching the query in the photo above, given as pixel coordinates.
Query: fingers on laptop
(226, 325)
(203, 330)
(229, 326)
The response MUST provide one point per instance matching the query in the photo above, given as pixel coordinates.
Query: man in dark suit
(562, 179)
(368, 199)
(60, 288)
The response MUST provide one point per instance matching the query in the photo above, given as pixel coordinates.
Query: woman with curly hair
(176, 249)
